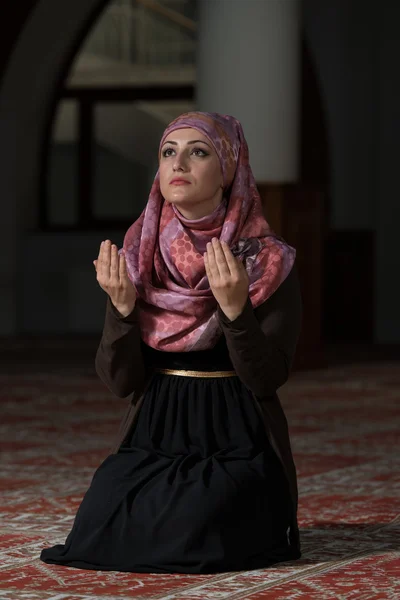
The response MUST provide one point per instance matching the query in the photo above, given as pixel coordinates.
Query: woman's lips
(180, 182)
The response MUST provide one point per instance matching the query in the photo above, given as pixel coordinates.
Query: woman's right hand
(113, 278)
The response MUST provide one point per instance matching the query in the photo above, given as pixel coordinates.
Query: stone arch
(44, 41)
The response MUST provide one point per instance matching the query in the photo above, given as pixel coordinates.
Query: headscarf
(164, 250)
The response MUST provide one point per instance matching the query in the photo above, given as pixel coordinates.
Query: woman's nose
(179, 163)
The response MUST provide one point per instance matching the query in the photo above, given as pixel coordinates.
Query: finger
(114, 264)
(104, 266)
(232, 262)
(211, 262)
(220, 259)
(208, 272)
(98, 261)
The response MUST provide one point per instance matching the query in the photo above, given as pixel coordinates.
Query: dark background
(347, 195)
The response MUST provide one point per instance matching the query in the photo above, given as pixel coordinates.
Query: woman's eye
(202, 153)
(196, 151)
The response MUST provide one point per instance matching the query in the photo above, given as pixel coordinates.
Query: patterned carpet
(57, 427)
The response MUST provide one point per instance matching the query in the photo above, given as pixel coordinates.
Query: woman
(203, 316)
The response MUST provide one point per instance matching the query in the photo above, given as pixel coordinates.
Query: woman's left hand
(227, 277)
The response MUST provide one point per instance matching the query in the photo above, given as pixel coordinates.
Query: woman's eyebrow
(191, 142)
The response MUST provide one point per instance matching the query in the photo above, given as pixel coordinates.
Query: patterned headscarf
(164, 250)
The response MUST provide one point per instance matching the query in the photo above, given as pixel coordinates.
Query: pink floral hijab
(164, 250)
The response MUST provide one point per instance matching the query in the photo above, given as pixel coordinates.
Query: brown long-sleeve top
(261, 344)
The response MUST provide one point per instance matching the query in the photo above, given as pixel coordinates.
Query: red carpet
(56, 428)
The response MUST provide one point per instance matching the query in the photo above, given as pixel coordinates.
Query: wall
(33, 71)
(387, 211)
(355, 45)
(63, 294)
(345, 54)
(33, 275)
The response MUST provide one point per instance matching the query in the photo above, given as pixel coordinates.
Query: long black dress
(194, 488)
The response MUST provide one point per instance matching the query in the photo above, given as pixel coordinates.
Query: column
(248, 66)
(249, 61)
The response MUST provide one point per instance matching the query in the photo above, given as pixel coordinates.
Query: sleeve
(119, 362)
(262, 341)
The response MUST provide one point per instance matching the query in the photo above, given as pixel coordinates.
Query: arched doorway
(133, 74)
(39, 39)
(46, 38)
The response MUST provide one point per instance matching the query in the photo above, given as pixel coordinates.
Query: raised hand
(227, 277)
(113, 278)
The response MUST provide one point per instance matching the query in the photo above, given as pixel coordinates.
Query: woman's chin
(180, 200)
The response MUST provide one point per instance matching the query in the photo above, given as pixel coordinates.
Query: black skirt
(194, 488)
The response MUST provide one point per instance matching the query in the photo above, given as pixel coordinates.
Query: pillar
(248, 64)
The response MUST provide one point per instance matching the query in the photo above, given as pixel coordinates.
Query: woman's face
(190, 173)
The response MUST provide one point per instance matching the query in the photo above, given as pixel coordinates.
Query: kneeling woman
(202, 321)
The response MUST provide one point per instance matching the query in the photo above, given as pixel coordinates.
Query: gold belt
(184, 373)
